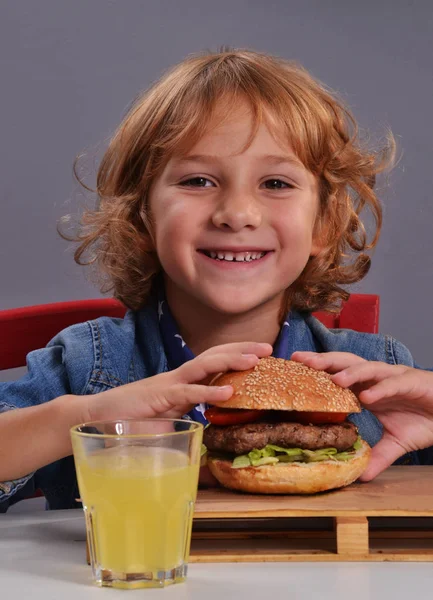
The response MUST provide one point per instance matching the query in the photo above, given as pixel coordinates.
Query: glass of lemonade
(138, 484)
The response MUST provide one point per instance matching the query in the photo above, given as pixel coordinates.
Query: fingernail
(250, 356)
(224, 388)
(339, 375)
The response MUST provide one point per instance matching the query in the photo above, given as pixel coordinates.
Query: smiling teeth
(236, 256)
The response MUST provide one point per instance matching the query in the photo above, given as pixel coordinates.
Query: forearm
(33, 437)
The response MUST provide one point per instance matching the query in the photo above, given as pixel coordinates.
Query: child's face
(215, 204)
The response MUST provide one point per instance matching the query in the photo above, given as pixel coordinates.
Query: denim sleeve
(63, 367)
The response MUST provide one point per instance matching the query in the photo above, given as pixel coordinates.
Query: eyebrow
(277, 160)
(271, 158)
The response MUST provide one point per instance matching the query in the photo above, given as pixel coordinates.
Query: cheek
(295, 229)
(175, 226)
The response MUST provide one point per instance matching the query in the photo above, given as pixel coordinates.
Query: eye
(277, 184)
(201, 182)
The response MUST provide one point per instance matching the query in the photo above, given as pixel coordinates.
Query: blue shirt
(99, 355)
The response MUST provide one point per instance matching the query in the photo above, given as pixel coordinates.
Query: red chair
(360, 312)
(25, 329)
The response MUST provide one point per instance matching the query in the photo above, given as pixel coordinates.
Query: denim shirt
(99, 355)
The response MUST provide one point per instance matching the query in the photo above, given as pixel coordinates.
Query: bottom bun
(291, 478)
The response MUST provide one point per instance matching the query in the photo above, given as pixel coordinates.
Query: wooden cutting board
(230, 526)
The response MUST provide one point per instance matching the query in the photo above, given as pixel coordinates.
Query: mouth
(239, 257)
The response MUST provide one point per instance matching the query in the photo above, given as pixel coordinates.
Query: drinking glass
(138, 483)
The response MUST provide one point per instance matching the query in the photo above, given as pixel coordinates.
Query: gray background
(69, 70)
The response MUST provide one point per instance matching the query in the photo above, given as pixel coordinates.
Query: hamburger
(284, 431)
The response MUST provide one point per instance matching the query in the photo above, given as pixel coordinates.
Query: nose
(236, 211)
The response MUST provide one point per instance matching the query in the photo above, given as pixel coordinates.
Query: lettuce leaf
(358, 444)
(272, 454)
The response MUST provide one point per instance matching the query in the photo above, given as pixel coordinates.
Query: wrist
(73, 409)
(64, 413)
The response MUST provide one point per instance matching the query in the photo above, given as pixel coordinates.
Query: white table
(42, 557)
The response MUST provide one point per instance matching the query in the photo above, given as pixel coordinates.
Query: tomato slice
(232, 416)
(318, 418)
(238, 416)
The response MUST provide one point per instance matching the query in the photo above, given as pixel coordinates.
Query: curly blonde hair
(172, 116)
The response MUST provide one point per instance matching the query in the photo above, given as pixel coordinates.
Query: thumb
(383, 455)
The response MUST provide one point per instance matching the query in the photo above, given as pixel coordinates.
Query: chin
(236, 302)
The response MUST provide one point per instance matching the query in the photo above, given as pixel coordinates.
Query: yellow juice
(139, 503)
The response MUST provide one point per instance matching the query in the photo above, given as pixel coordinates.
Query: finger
(212, 363)
(301, 355)
(383, 455)
(398, 386)
(200, 369)
(327, 361)
(180, 398)
(367, 372)
(192, 394)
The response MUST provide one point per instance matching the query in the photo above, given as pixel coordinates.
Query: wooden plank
(231, 557)
(352, 535)
(399, 491)
(382, 535)
(313, 546)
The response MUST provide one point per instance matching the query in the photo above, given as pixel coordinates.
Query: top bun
(279, 384)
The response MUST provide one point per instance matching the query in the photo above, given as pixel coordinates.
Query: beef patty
(241, 439)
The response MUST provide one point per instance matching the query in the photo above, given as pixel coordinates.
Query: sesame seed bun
(280, 384)
(291, 478)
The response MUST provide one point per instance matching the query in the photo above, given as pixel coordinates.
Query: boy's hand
(401, 397)
(174, 393)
